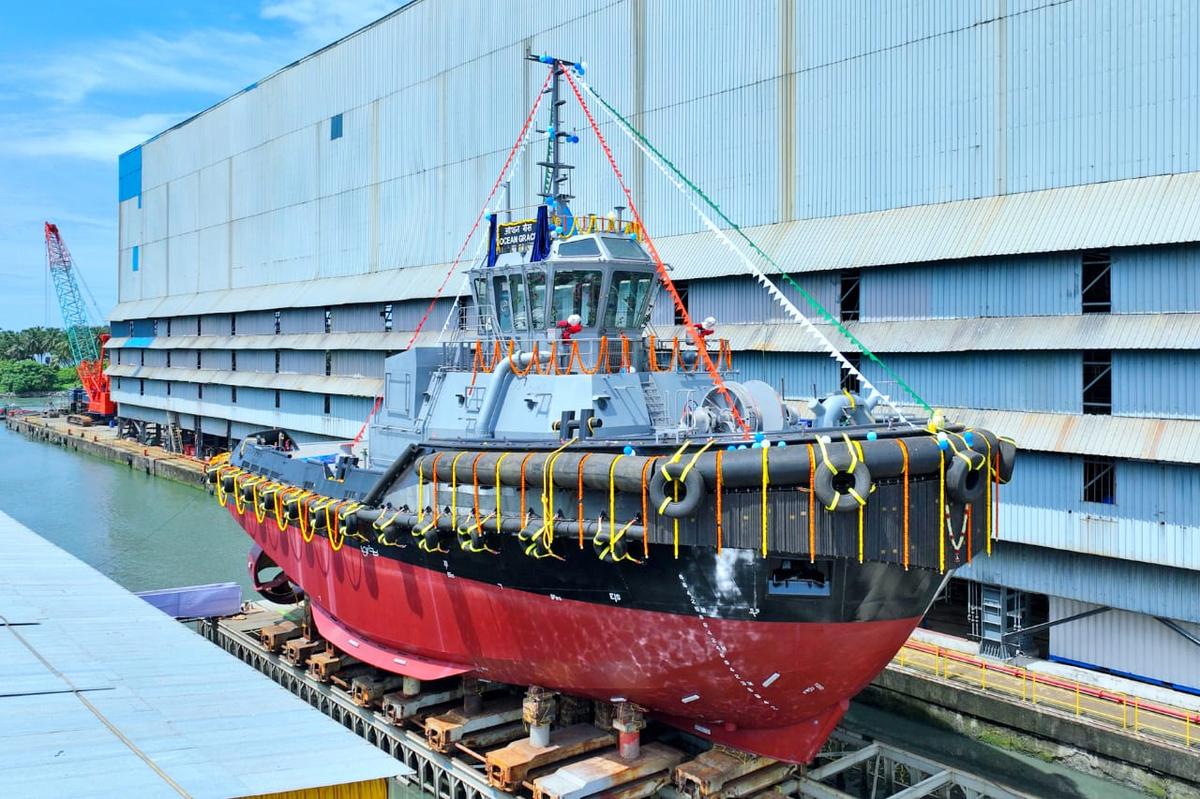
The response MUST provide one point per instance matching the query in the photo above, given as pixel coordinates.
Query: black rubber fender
(692, 489)
(1008, 457)
(966, 479)
(832, 487)
(226, 481)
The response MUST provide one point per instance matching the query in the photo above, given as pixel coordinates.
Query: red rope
(713, 372)
(458, 258)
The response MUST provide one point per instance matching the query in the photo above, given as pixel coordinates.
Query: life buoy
(966, 478)
(843, 486)
(683, 495)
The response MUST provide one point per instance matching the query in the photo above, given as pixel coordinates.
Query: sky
(83, 81)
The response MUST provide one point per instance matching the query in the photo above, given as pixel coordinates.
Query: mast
(554, 168)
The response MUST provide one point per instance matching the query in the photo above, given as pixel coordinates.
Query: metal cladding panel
(212, 247)
(185, 391)
(792, 375)
(302, 402)
(407, 315)
(1156, 384)
(346, 163)
(156, 388)
(302, 362)
(214, 325)
(183, 200)
(129, 225)
(1031, 286)
(276, 247)
(183, 256)
(256, 323)
(259, 399)
(152, 268)
(1156, 280)
(215, 359)
(1129, 585)
(213, 426)
(346, 221)
(302, 320)
(278, 173)
(1127, 642)
(362, 318)
(357, 363)
(351, 408)
(154, 214)
(213, 193)
(1031, 381)
(257, 360)
(153, 357)
(741, 299)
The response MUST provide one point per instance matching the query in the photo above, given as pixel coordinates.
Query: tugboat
(560, 498)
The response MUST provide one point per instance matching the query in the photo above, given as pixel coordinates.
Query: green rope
(809, 298)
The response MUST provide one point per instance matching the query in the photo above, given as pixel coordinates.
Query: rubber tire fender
(1008, 455)
(693, 491)
(823, 486)
(227, 483)
(966, 479)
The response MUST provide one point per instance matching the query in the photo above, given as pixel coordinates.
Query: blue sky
(81, 82)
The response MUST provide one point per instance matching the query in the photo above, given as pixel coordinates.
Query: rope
(719, 454)
(664, 165)
(499, 461)
(766, 479)
(508, 162)
(904, 456)
(941, 511)
(646, 467)
(812, 505)
(579, 513)
(713, 372)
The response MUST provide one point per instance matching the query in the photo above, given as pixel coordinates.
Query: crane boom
(87, 350)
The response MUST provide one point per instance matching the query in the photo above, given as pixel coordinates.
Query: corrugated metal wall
(358, 363)
(214, 359)
(1158, 384)
(365, 318)
(214, 325)
(1157, 280)
(302, 320)
(304, 362)
(796, 375)
(1126, 642)
(1036, 286)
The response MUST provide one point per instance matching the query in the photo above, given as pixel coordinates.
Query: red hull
(775, 688)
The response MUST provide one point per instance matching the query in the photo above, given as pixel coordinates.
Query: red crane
(87, 350)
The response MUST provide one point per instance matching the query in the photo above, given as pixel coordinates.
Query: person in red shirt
(570, 326)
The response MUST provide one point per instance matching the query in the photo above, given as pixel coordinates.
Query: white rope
(757, 273)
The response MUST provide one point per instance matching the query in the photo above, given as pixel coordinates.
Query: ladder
(655, 407)
(174, 433)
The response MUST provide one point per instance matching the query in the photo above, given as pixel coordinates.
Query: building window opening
(198, 359)
(197, 325)
(1100, 481)
(386, 313)
(131, 329)
(168, 328)
(168, 359)
(328, 319)
(142, 357)
(199, 391)
(141, 387)
(233, 393)
(233, 324)
(154, 327)
(1096, 282)
(328, 363)
(849, 296)
(327, 403)
(277, 361)
(681, 288)
(168, 388)
(335, 127)
(233, 361)
(1097, 382)
(278, 319)
(119, 353)
(850, 381)
(276, 398)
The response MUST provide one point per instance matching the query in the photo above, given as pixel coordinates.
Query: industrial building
(1000, 198)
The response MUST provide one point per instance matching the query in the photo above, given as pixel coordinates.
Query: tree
(26, 377)
(66, 377)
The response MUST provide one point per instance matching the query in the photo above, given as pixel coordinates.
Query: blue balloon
(633, 237)
(545, 59)
(781, 444)
(742, 446)
(573, 139)
(550, 130)
(943, 443)
(730, 448)
(871, 436)
(969, 438)
(628, 450)
(759, 436)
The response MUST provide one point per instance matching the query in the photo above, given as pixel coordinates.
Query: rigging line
(518, 145)
(701, 349)
(654, 153)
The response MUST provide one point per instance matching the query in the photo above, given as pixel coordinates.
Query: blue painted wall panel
(794, 375)
(1033, 286)
(1157, 384)
(1039, 381)
(129, 175)
(1156, 279)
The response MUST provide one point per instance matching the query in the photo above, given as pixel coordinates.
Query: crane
(87, 349)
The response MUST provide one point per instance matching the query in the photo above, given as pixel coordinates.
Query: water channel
(146, 532)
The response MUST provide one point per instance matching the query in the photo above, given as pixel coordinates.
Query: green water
(143, 532)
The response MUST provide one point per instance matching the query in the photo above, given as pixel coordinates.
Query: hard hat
(710, 321)
(575, 319)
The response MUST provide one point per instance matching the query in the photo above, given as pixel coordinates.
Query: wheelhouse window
(577, 292)
(537, 298)
(625, 249)
(579, 248)
(516, 288)
(503, 303)
(627, 298)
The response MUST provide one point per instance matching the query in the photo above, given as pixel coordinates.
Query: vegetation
(37, 360)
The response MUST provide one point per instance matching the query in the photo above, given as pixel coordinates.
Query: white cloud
(90, 136)
(323, 21)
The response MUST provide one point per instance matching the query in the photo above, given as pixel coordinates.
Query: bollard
(628, 721)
